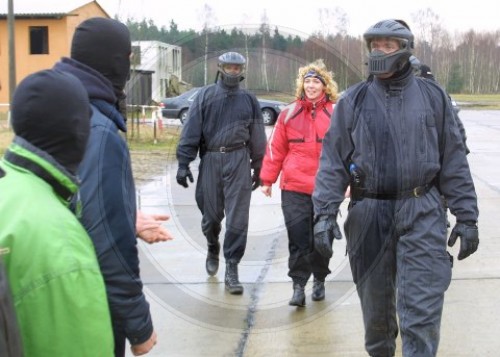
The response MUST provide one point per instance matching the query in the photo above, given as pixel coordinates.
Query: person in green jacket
(57, 286)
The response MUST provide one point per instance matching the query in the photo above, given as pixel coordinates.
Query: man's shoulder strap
(361, 93)
(424, 85)
(358, 97)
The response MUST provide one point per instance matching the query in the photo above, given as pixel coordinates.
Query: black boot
(299, 296)
(233, 285)
(318, 290)
(212, 263)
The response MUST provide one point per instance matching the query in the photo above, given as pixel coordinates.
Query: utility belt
(224, 149)
(419, 191)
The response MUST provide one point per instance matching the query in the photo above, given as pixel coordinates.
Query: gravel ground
(146, 165)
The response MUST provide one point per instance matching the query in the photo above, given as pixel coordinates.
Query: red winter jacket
(295, 145)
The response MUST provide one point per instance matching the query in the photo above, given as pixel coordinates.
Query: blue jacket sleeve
(189, 142)
(455, 178)
(109, 214)
(257, 143)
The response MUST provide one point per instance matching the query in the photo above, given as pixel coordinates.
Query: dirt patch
(147, 165)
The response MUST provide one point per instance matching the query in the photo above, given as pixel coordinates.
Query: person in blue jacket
(100, 58)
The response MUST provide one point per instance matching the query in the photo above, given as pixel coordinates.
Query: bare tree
(444, 58)
(333, 21)
(470, 55)
(427, 30)
(324, 22)
(244, 22)
(207, 19)
(467, 61)
(264, 30)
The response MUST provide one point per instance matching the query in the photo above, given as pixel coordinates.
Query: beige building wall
(60, 33)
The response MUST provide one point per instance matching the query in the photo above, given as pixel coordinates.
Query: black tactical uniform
(225, 126)
(394, 139)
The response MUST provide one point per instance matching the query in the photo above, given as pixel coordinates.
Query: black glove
(255, 179)
(183, 173)
(469, 238)
(325, 230)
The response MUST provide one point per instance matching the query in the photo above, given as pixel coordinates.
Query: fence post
(159, 118)
(154, 131)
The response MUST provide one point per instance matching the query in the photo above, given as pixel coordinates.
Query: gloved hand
(183, 173)
(255, 179)
(469, 238)
(325, 230)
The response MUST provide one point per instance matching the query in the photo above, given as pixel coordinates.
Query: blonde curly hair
(318, 66)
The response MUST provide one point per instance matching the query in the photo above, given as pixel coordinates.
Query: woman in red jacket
(293, 150)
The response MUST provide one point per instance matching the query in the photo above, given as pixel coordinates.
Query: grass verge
(140, 138)
(478, 101)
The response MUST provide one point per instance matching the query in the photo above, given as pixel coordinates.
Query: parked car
(177, 107)
(455, 105)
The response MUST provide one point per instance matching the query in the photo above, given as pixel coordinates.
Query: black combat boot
(299, 296)
(233, 285)
(212, 263)
(318, 293)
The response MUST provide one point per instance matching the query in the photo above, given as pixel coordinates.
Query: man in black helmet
(395, 142)
(225, 127)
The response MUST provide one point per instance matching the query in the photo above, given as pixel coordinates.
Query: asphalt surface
(194, 316)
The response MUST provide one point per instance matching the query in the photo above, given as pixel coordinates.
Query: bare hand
(145, 347)
(347, 193)
(150, 229)
(266, 190)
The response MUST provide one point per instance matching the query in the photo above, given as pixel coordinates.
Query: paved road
(194, 316)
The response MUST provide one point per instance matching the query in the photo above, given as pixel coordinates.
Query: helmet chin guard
(382, 63)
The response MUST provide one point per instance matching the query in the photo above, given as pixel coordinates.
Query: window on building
(136, 55)
(39, 40)
(176, 60)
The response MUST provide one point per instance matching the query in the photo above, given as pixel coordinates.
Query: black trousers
(304, 260)
(224, 189)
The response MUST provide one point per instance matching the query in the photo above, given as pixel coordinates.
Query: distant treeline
(466, 63)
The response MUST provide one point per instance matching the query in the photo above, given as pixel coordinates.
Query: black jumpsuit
(225, 126)
(400, 136)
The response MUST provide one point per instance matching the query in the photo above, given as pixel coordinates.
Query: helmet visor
(387, 44)
(232, 69)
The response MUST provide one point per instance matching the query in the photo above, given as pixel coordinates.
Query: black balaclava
(104, 45)
(51, 110)
(425, 71)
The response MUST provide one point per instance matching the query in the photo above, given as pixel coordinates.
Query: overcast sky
(303, 16)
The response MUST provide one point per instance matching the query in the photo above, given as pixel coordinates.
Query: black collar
(62, 190)
(397, 81)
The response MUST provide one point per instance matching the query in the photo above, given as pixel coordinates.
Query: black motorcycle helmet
(383, 63)
(230, 79)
